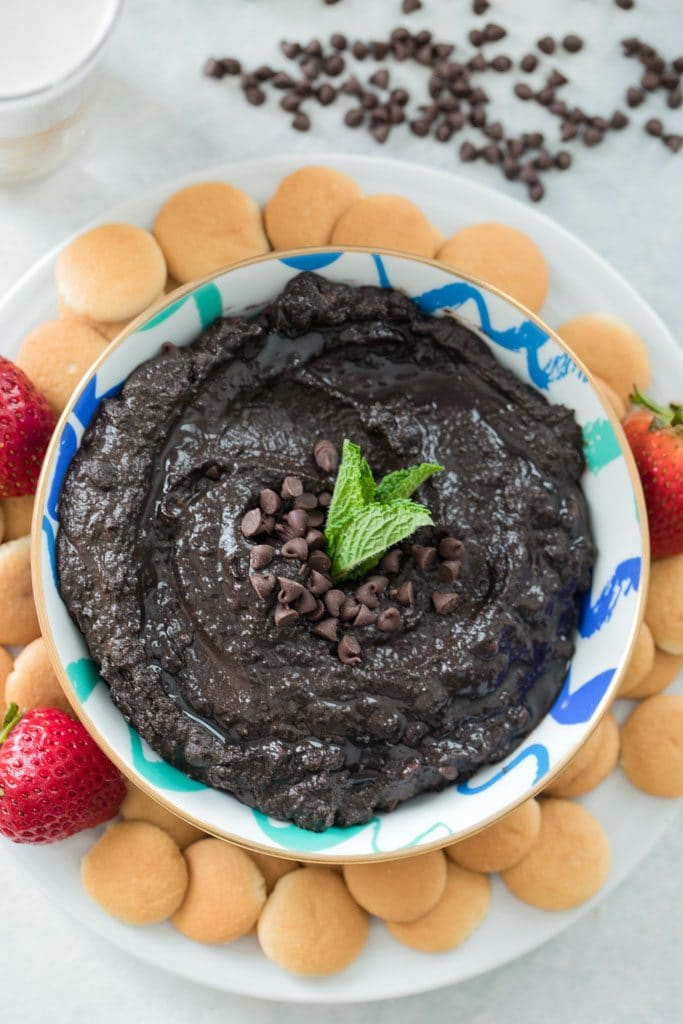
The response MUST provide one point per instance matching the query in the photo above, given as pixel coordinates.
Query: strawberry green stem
(12, 716)
(667, 415)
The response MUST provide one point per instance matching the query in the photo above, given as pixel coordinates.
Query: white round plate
(580, 281)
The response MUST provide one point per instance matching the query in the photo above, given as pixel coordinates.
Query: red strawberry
(54, 779)
(26, 424)
(655, 434)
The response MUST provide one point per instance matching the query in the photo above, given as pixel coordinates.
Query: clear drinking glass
(41, 125)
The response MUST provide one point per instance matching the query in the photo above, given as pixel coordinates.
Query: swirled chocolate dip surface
(232, 654)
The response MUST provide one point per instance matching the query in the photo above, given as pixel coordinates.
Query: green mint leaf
(371, 530)
(404, 482)
(353, 490)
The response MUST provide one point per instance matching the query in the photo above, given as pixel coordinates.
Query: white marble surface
(157, 119)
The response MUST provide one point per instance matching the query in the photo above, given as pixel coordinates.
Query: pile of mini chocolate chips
(289, 525)
(453, 100)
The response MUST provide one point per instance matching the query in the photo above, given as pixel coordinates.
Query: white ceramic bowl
(610, 618)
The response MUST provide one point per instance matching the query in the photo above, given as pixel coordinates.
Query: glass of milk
(50, 51)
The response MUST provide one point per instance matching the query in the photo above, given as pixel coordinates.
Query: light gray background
(158, 118)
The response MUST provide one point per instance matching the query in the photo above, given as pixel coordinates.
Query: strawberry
(54, 779)
(26, 424)
(655, 434)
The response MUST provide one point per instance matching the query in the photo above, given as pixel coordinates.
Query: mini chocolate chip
(380, 132)
(365, 617)
(478, 96)
(449, 571)
(501, 63)
(263, 584)
(261, 555)
(625, 5)
(380, 78)
(360, 50)
(290, 50)
(354, 118)
(529, 62)
(301, 122)
(674, 142)
(536, 192)
(631, 46)
(523, 91)
(424, 557)
(444, 132)
(295, 548)
(677, 64)
(600, 123)
(352, 86)
(544, 161)
(480, 6)
(650, 81)
(451, 547)
(442, 51)
(568, 131)
(290, 590)
(399, 34)
(389, 620)
(546, 44)
(545, 97)
(592, 136)
(327, 629)
(405, 594)
(558, 108)
(306, 500)
(494, 131)
(456, 120)
(477, 63)
(338, 41)
(294, 524)
(317, 583)
(316, 518)
(528, 173)
(576, 115)
(314, 48)
(510, 168)
(379, 49)
(492, 154)
(618, 120)
(674, 99)
(326, 94)
(408, 6)
(494, 33)
(367, 595)
(444, 604)
(369, 100)
(291, 487)
(422, 37)
(476, 37)
(348, 650)
(334, 65)
(319, 612)
(307, 603)
(231, 66)
(572, 43)
(670, 80)
(285, 616)
(448, 102)
(324, 499)
(319, 561)
(515, 147)
(563, 160)
(391, 563)
(634, 96)
(254, 96)
(315, 540)
(334, 599)
(419, 127)
(263, 73)
(349, 610)
(252, 523)
(556, 79)
(478, 117)
(654, 127)
(290, 102)
(214, 68)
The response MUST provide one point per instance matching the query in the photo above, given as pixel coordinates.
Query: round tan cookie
(398, 890)
(502, 256)
(57, 354)
(32, 683)
(567, 864)
(613, 399)
(387, 221)
(18, 620)
(582, 775)
(306, 205)
(135, 872)
(652, 746)
(609, 348)
(663, 672)
(17, 513)
(273, 868)
(109, 331)
(640, 663)
(664, 608)
(137, 806)
(225, 894)
(502, 844)
(5, 669)
(310, 925)
(111, 272)
(208, 226)
(463, 906)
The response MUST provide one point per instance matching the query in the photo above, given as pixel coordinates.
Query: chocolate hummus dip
(192, 555)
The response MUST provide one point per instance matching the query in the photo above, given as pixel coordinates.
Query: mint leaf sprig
(365, 519)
